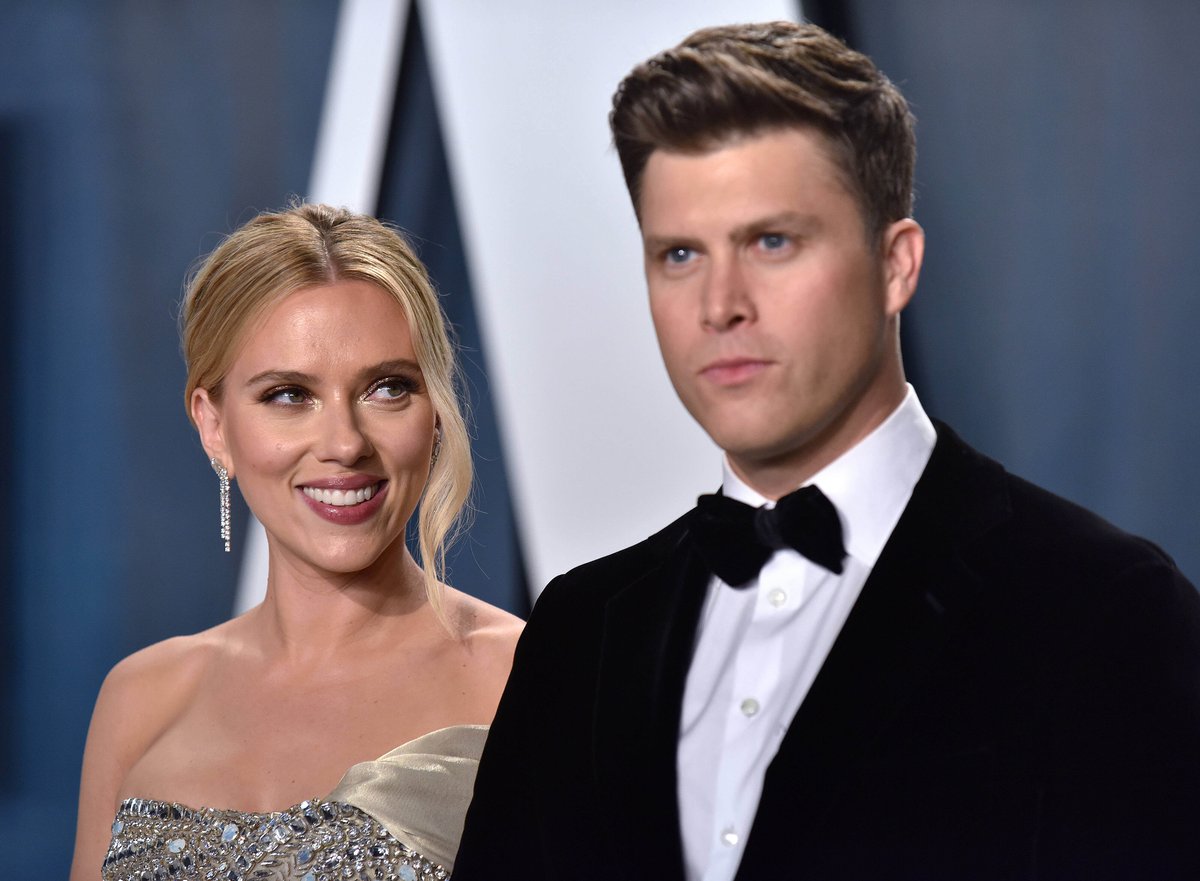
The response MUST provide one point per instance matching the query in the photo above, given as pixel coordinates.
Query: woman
(321, 379)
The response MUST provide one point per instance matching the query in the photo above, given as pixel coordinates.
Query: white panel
(357, 112)
(348, 162)
(600, 452)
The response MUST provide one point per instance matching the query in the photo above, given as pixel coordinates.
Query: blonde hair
(307, 245)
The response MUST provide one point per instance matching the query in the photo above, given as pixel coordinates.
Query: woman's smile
(347, 507)
(341, 498)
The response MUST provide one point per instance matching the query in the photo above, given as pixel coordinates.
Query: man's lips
(731, 371)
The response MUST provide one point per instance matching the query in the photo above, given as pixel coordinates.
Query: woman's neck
(309, 616)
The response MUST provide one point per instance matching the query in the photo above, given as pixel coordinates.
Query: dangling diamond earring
(437, 448)
(223, 479)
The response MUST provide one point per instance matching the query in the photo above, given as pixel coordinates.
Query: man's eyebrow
(788, 220)
(298, 377)
(653, 243)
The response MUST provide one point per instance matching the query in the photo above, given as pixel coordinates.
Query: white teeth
(340, 498)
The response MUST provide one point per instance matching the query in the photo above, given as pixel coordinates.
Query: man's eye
(677, 256)
(772, 241)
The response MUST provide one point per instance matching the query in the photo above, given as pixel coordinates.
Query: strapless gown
(398, 818)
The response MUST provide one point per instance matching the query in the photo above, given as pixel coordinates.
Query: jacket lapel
(921, 588)
(649, 631)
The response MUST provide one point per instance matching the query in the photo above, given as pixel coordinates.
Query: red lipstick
(327, 498)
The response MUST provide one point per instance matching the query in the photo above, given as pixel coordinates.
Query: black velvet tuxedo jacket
(1015, 695)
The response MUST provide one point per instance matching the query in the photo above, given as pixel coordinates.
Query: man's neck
(775, 477)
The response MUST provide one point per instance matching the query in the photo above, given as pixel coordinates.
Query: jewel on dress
(313, 841)
(397, 818)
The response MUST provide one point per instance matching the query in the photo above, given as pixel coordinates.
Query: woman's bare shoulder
(139, 698)
(483, 627)
(149, 687)
(486, 638)
(170, 662)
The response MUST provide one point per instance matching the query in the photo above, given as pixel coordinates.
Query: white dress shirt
(759, 648)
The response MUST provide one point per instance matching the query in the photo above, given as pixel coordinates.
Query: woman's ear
(206, 413)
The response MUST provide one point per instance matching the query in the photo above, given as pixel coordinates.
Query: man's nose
(727, 301)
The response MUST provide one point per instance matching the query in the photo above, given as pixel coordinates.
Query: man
(918, 666)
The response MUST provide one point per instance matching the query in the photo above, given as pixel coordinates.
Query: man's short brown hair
(722, 83)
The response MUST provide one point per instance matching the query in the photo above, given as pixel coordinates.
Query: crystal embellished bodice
(398, 818)
(313, 841)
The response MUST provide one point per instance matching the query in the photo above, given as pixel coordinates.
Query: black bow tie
(735, 540)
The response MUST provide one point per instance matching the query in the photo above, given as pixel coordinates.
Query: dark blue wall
(132, 135)
(1059, 186)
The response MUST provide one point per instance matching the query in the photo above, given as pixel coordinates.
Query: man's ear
(206, 413)
(903, 249)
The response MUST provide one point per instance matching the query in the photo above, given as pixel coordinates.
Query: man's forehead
(747, 185)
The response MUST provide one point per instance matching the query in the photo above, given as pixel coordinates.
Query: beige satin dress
(398, 817)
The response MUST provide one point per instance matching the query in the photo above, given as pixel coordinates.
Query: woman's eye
(290, 396)
(394, 389)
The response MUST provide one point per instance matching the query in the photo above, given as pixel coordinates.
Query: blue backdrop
(1058, 185)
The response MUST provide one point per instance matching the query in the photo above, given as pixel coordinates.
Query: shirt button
(749, 707)
(729, 838)
(777, 597)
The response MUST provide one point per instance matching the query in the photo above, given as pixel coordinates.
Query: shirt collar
(869, 484)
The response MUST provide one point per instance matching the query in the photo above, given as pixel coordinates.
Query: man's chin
(756, 442)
